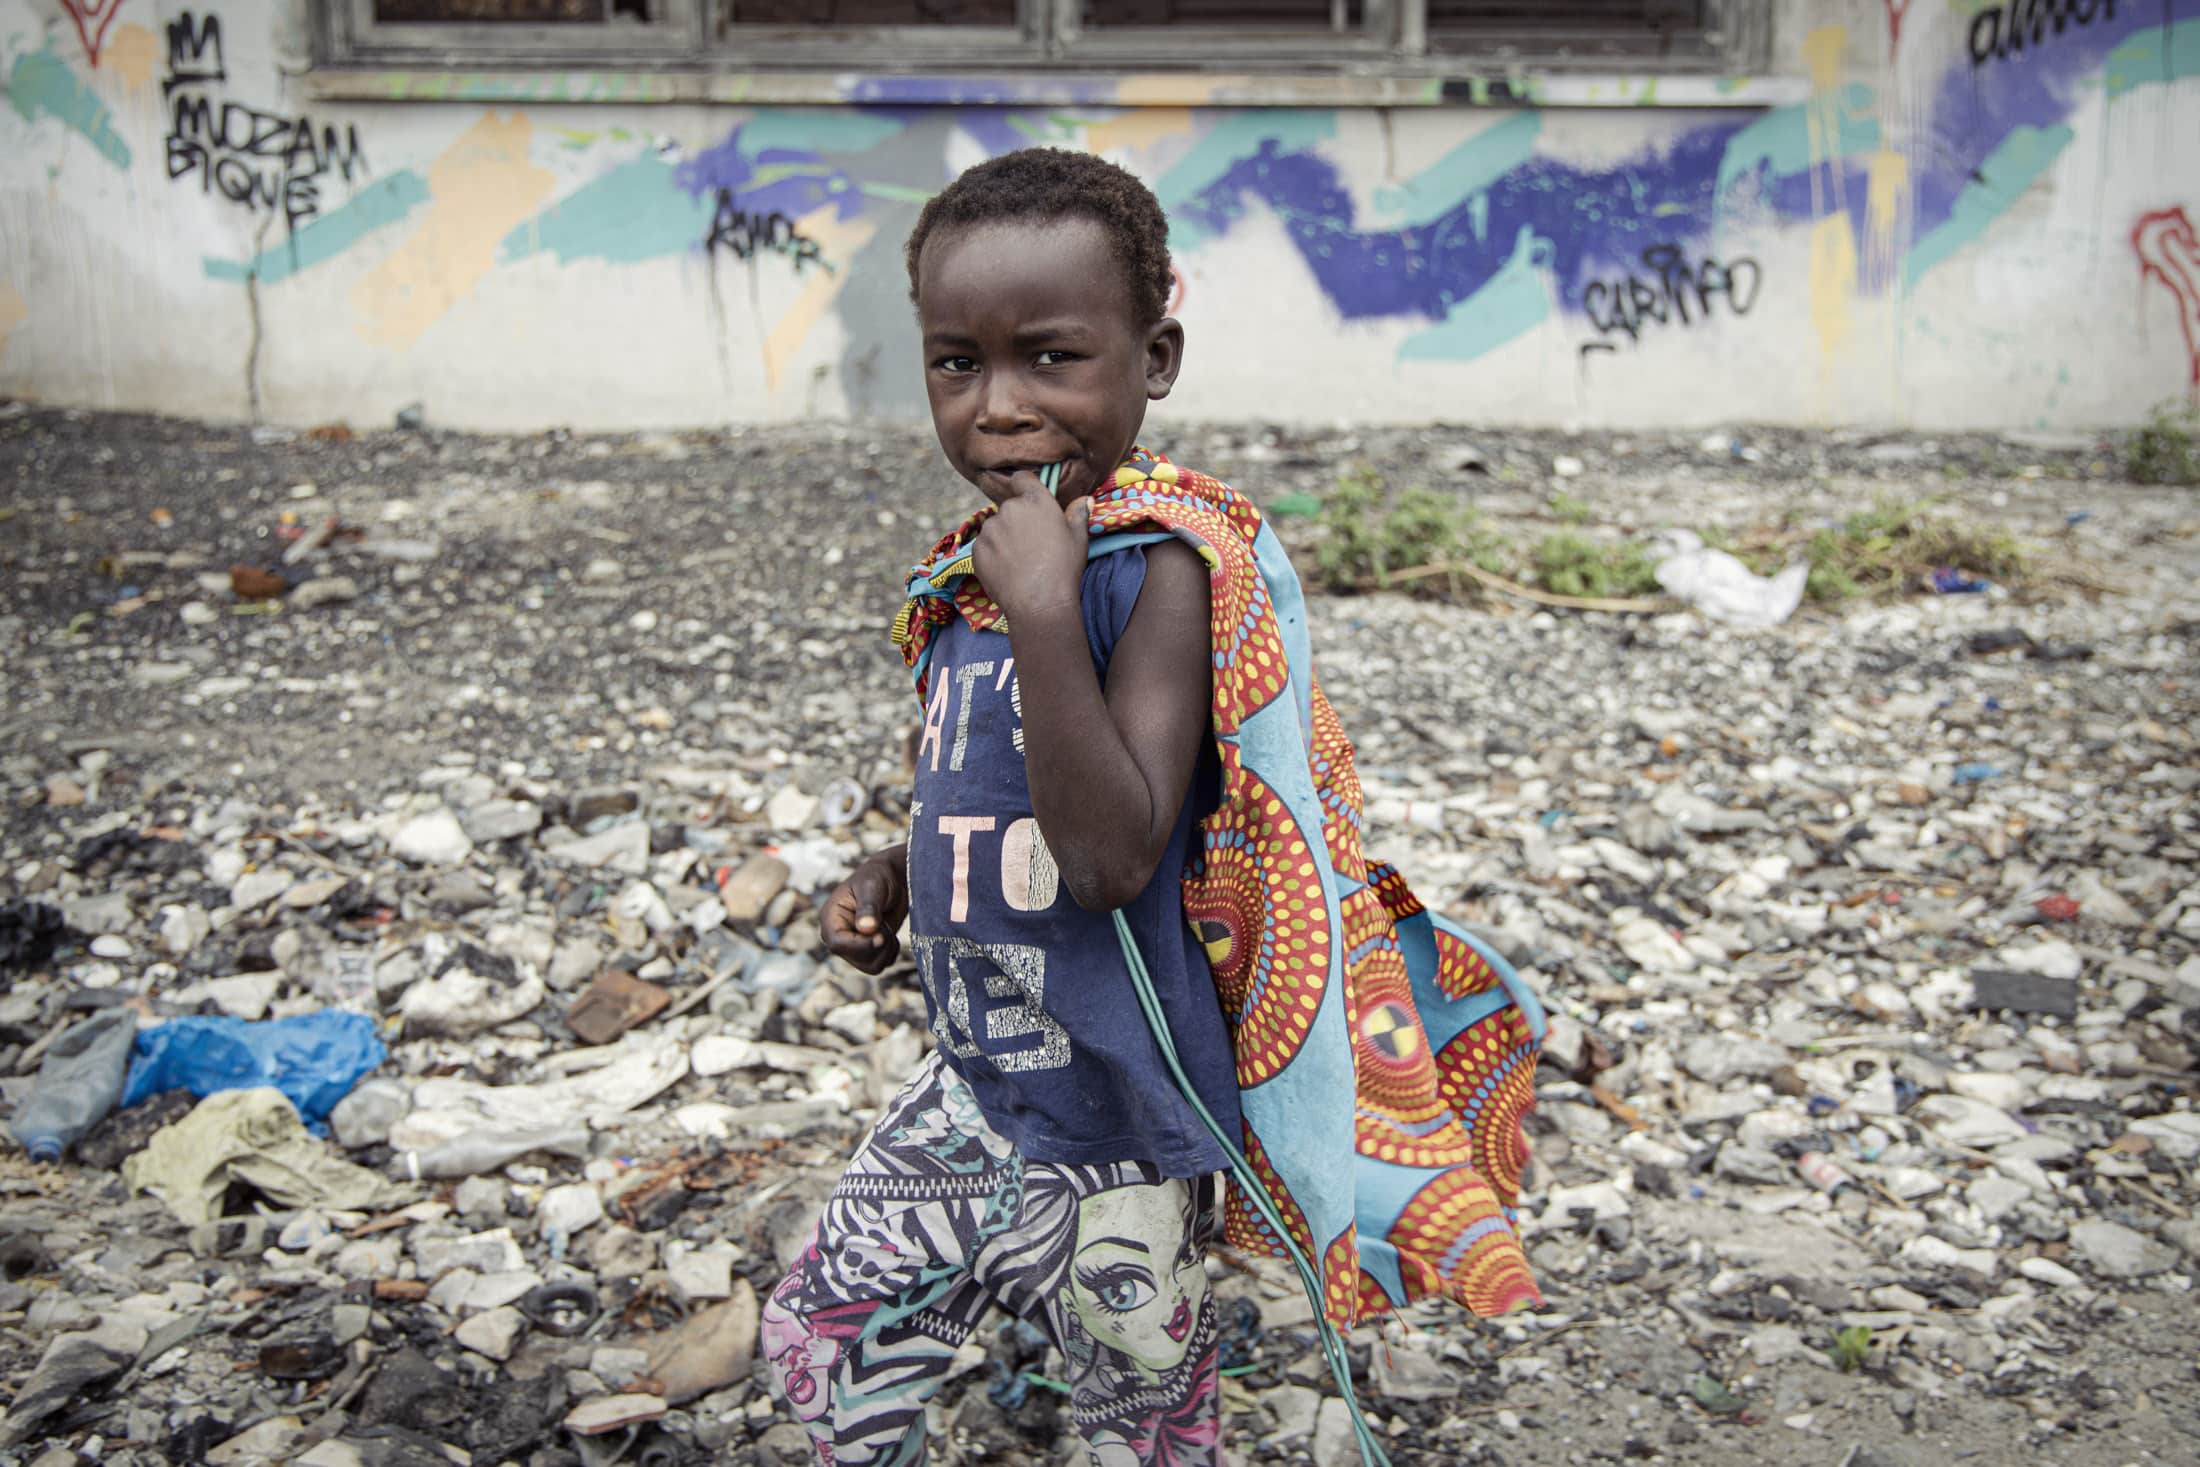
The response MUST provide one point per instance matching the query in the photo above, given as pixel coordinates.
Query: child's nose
(1007, 406)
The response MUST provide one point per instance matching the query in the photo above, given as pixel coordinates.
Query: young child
(1120, 712)
(1041, 1158)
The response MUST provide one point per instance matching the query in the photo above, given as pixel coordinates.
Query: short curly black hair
(1053, 183)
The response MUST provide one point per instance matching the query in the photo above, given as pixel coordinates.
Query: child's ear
(1164, 356)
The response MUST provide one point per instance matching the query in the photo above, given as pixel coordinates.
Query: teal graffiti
(1230, 141)
(636, 211)
(1781, 140)
(325, 236)
(805, 130)
(1465, 171)
(2000, 181)
(42, 85)
(1512, 303)
(2158, 54)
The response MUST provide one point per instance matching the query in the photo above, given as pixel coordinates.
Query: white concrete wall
(1925, 238)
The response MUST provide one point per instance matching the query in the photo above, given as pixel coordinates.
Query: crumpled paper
(254, 1137)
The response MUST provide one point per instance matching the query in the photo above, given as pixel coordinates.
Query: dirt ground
(575, 610)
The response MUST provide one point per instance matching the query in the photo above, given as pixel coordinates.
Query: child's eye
(956, 364)
(1056, 358)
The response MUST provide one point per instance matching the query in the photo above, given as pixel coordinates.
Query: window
(1577, 31)
(1398, 38)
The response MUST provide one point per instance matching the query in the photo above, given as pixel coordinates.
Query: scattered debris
(1860, 1057)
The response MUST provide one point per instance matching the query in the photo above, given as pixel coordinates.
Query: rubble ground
(1871, 941)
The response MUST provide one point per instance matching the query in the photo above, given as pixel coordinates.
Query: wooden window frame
(1392, 42)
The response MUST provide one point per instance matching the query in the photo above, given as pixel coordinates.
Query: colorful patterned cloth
(1365, 1026)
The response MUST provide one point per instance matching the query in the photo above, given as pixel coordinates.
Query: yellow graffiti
(1887, 189)
(132, 55)
(838, 242)
(1832, 280)
(1823, 49)
(1832, 238)
(479, 190)
(13, 310)
(1139, 127)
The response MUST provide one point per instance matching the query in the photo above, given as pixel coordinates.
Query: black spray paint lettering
(257, 159)
(1674, 293)
(2001, 31)
(744, 232)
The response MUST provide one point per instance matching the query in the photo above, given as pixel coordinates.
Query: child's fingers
(1078, 512)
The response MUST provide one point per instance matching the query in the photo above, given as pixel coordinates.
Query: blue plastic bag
(314, 1059)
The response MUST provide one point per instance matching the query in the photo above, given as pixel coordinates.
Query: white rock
(2001, 1091)
(717, 1054)
(1995, 1196)
(489, 1292)
(2050, 959)
(855, 1022)
(1649, 946)
(1966, 1122)
(707, 1120)
(1599, 1199)
(2119, 1252)
(569, 1209)
(791, 810)
(702, 1273)
(1935, 1252)
(1295, 1408)
(495, 1251)
(433, 839)
(2047, 1271)
(459, 1003)
(622, 848)
(109, 945)
(257, 887)
(640, 902)
(1334, 1444)
(493, 1334)
(183, 927)
(2176, 1135)
(245, 995)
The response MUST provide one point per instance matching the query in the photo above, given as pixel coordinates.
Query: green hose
(1241, 1171)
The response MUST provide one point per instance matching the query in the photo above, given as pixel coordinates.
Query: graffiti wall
(1934, 213)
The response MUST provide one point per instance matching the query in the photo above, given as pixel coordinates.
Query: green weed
(1852, 1347)
(1897, 543)
(1368, 536)
(1570, 511)
(1574, 565)
(2167, 449)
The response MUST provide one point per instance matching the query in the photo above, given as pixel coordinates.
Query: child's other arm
(1108, 768)
(860, 919)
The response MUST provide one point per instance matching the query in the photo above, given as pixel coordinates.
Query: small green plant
(2167, 449)
(1568, 510)
(1896, 543)
(1367, 536)
(1852, 1348)
(1574, 565)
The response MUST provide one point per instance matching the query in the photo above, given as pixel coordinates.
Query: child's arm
(1108, 768)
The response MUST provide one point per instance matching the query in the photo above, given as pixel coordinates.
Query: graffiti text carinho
(1673, 293)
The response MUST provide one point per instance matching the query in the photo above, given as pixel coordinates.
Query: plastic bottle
(470, 1156)
(78, 1082)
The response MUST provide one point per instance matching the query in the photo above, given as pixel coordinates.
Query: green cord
(1149, 1002)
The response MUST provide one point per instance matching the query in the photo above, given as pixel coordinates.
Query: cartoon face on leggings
(1128, 1297)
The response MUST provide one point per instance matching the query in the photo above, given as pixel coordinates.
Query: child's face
(1033, 354)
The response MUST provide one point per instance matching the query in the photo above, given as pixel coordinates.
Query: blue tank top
(1027, 992)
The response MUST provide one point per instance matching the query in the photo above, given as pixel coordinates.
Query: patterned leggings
(939, 1217)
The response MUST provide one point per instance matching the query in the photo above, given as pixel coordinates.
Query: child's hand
(864, 912)
(1031, 555)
